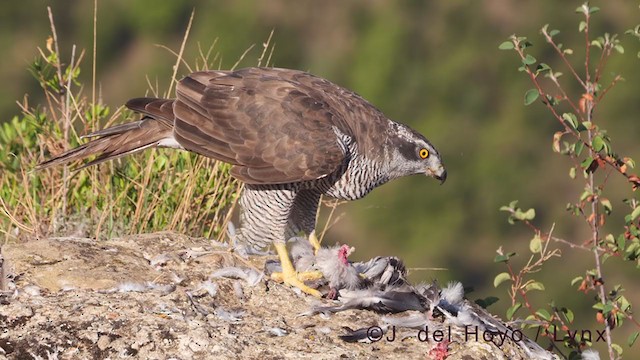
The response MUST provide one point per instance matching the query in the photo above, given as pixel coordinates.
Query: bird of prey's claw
(294, 281)
(302, 276)
(289, 275)
(313, 239)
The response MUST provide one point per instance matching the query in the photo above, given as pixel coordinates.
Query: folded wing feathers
(116, 142)
(267, 122)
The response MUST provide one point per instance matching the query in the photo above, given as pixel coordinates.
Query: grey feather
(251, 276)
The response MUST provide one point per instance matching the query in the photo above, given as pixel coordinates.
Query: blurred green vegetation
(431, 64)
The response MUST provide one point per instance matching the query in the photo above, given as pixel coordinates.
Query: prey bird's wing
(271, 127)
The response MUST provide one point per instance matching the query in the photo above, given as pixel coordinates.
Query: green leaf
(554, 32)
(624, 303)
(572, 172)
(525, 44)
(621, 242)
(607, 205)
(571, 120)
(535, 245)
(568, 314)
(593, 9)
(529, 60)
(509, 207)
(507, 45)
(535, 285)
(605, 308)
(597, 143)
(530, 96)
(582, 26)
(588, 164)
(512, 310)
(529, 214)
(576, 280)
(503, 258)
(585, 125)
(609, 239)
(617, 348)
(579, 147)
(597, 43)
(500, 278)
(542, 67)
(543, 314)
(635, 213)
(619, 48)
(630, 162)
(555, 145)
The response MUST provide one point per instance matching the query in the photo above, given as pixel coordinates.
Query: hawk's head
(411, 153)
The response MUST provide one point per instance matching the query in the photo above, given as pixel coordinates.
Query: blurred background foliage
(431, 64)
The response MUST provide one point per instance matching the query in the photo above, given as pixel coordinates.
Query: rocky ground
(158, 296)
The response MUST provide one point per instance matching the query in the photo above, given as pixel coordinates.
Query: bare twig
(242, 57)
(179, 59)
(265, 46)
(564, 58)
(94, 62)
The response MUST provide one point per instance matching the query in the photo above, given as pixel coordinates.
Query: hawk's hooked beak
(440, 174)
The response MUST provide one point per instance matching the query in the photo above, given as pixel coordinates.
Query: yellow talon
(289, 275)
(309, 275)
(313, 239)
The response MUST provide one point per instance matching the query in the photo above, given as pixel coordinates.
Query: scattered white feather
(210, 287)
(276, 331)
(297, 291)
(414, 320)
(590, 354)
(195, 253)
(31, 290)
(131, 287)
(176, 279)
(453, 293)
(251, 276)
(237, 290)
(231, 316)
(163, 289)
(159, 260)
(324, 316)
(323, 330)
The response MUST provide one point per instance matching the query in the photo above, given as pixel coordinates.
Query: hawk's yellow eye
(424, 153)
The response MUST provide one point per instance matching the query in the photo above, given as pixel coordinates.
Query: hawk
(291, 138)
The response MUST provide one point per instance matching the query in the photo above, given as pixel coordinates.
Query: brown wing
(274, 130)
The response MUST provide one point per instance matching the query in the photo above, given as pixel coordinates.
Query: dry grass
(150, 191)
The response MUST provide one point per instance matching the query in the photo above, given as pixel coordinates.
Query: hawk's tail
(153, 130)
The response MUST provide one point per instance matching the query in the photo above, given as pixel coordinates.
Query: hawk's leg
(268, 214)
(303, 216)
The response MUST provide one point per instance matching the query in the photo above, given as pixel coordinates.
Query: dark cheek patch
(408, 150)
